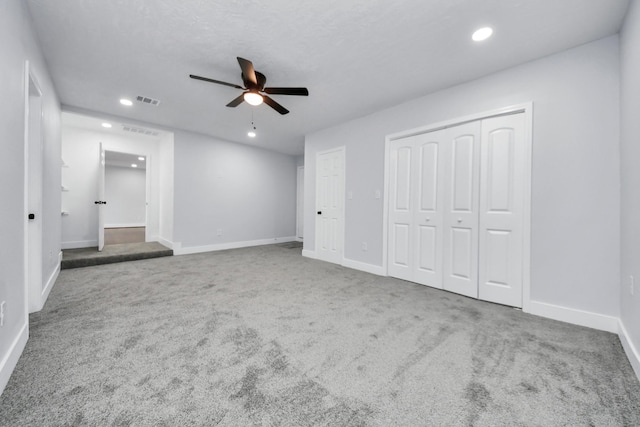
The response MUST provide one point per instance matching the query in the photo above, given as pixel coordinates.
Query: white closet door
(329, 205)
(461, 209)
(501, 210)
(429, 207)
(400, 262)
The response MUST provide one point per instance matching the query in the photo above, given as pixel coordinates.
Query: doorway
(125, 194)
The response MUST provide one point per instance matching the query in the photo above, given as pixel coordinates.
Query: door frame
(300, 204)
(342, 149)
(147, 191)
(524, 108)
(32, 264)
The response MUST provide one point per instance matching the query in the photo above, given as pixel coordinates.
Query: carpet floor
(264, 337)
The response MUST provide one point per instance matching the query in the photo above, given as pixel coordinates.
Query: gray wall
(247, 192)
(630, 172)
(18, 45)
(575, 223)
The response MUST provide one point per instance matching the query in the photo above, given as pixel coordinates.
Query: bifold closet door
(461, 201)
(415, 208)
(502, 181)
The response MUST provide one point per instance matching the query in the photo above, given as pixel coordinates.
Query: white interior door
(460, 249)
(429, 207)
(34, 184)
(300, 204)
(401, 236)
(501, 210)
(330, 205)
(101, 202)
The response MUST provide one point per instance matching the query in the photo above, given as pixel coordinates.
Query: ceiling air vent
(147, 100)
(140, 131)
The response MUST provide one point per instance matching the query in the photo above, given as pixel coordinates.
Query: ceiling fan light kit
(254, 91)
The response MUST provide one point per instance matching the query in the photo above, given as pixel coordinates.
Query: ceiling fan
(254, 91)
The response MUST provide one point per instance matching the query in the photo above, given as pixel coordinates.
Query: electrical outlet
(219, 232)
(632, 285)
(364, 246)
(2, 304)
(378, 195)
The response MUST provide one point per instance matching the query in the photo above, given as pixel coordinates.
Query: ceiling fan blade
(237, 101)
(273, 104)
(205, 79)
(247, 70)
(300, 91)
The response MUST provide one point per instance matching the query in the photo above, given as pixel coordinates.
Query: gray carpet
(121, 252)
(263, 337)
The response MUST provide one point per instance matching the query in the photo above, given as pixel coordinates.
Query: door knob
(459, 219)
(319, 212)
(32, 216)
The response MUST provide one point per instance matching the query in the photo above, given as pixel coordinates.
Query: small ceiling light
(251, 134)
(253, 98)
(141, 159)
(482, 34)
(126, 102)
(133, 165)
(107, 125)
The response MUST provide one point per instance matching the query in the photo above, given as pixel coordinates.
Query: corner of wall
(632, 352)
(9, 362)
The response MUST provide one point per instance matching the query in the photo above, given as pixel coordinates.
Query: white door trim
(31, 267)
(300, 203)
(527, 110)
(343, 151)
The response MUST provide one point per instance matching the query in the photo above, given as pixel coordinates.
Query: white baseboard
(10, 360)
(52, 280)
(179, 250)
(309, 254)
(126, 225)
(80, 244)
(363, 266)
(632, 352)
(165, 242)
(577, 317)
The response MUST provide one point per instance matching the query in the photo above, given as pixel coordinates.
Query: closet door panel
(461, 192)
(501, 210)
(428, 214)
(401, 206)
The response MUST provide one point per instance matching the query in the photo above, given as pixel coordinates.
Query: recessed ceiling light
(141, 159)
(482, 34)
(251, 134)
(133, 165)
(126, 102)
(107, 125)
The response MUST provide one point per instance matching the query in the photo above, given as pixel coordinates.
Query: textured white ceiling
(355, 57)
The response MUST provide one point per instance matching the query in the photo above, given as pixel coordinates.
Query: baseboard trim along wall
(309, 254)
(577, 317)
(179, 250)
(632, 352)
(9, 362)
(363, 266)
(127, 225)
(79, 244)
(165, 242)
(52, 280)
